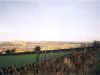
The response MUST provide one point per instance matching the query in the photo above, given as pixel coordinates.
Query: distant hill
(23, 46)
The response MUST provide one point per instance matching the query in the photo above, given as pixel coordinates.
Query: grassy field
(31, 58)
(24, 59)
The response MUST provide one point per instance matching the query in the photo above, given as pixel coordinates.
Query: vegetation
(10, 51)
(24, 59)
(37, 50)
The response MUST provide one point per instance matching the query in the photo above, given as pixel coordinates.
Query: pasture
(18, 60)
(10, 60)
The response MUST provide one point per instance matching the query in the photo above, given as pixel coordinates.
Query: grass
(24, 59)
(97, 55)
(96, 67)
(31, 58)
(16, 59)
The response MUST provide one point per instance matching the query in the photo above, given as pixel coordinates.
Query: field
(24, 59)
(18, 60)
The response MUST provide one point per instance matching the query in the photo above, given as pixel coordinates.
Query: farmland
(19, 60)
(10, 60)
(28, 46)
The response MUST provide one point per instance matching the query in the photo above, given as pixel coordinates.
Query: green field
(24, 59)
(18, 60)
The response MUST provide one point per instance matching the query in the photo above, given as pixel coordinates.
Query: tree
(96, 44)
(13, 50)
(8, 51)
(37, 48)
(37, 51)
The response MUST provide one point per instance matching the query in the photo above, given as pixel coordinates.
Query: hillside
(23, 46)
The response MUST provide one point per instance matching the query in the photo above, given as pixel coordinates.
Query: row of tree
(10, 51)
(96, 44)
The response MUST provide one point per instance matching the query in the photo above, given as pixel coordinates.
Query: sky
(50, 20)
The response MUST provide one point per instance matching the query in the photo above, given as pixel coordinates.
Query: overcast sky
(50, 20)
